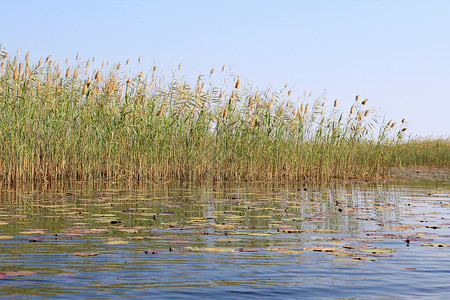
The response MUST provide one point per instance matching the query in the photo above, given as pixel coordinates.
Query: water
(360, 240)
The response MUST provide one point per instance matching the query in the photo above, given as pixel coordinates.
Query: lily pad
(248, 250)
(153, 251)
(220, 249)
(323, 249)
(17, 273)
(116, 242)
(378, 250)
(435, 244)
(86, 253)
(6, 237)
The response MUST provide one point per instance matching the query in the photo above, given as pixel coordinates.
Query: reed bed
(74, 122)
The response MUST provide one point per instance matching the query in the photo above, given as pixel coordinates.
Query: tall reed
(74, 122)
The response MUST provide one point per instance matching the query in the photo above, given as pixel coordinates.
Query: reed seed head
(393, 124)
(403, 121)
(360, 115)
(404, 129)
(225, 113)
(98, 76)
(352, 109)
(366, 112)
(335, 102)
(68, 72)
(223, 68)
(357, 97)
(253, 121)
(306, 108)
(160, 111)
(212, 70)
(364, 101)
(238, 83)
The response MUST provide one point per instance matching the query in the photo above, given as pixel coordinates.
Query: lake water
(358, 240)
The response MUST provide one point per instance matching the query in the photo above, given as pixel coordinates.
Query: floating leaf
(377, 250)
(153, 251)
(86, 253)
(248, 249)
(364, 258)
(258, 234)
(435, 244)
(357, 247)
(436, 227)
(323, 249)
(228, 239)
(32, 232)
(17, 273)
(195, 249)
(285, 250)
(36, 239)
(346, 259)
(289, 230)
(290, 251)
(220, 249)
(116, 242)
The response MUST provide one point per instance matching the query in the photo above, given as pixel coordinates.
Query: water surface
(360, 240)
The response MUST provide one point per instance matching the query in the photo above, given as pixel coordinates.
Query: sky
(395, 53)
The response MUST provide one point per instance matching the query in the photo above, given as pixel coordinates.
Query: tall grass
(76, 123)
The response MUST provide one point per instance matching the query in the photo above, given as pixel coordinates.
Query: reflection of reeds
(105, 123)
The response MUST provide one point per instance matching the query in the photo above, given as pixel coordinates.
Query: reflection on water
(226, 241)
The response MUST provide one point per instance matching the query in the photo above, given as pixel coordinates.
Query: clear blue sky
(395, 53)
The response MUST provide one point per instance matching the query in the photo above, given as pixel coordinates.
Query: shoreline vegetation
(74, 122)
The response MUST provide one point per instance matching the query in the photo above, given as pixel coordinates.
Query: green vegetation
(71, 122)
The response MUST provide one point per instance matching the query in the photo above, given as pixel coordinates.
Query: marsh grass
(76, 123)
